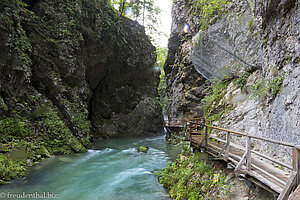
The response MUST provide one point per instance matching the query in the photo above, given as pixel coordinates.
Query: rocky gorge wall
(250, 52)
(71, 71)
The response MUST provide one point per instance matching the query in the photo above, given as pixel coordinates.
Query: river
(111, 170)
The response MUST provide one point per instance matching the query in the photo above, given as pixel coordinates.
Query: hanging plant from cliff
(208, 11)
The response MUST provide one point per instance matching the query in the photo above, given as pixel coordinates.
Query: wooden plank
(273, 160)
(283, 175)
(262, 185)
(296, 162)
(192, 119)
(269, 174)
(295, 195)
(290, 185)
(255, 152)
(276, 188)
(206, 137)
(197, 132)
(265, 175)
(227, 146)
(248, 152)
(218, 139)
(240, 164)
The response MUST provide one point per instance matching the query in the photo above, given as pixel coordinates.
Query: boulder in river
(143, 149)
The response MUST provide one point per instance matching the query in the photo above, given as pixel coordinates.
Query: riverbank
(192, 177)
(197, 177)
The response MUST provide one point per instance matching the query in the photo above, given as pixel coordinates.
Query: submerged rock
(143, 149)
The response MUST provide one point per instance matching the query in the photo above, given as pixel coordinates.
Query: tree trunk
(144, 13)
(122, 8)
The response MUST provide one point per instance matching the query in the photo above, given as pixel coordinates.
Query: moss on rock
(143, 149)
(191, 178)
(10, 169)
(76, 146)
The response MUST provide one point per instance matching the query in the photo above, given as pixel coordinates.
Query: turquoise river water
(111, 170)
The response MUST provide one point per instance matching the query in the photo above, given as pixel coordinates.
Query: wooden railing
(174, 122)
(192, 125)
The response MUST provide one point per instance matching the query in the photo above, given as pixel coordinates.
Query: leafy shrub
(14, 128)
(274, 85)
(258, 90)
(208, 10)
(242, 79)
(193, 179)
(10, 169)
(212, 110)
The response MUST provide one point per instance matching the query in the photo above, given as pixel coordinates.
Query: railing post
(206, 137)
(248, 155)
(190, 131)
(296, 162)
(227, 146)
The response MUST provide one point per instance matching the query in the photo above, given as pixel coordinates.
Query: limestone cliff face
(124, 84)
(254, 50)
(184, 85)
(71, 70)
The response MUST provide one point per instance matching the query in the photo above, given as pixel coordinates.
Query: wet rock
(143, 149)
(123, 100)
(144, 119)
(43, 152)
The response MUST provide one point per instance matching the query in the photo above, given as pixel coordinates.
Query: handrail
(294, 178)
(191, 119)
(223, 129)
(289, 144)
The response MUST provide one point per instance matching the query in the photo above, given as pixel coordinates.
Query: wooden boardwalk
(249, 164)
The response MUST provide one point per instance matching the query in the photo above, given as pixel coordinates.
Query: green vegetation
(274, 85)
(12, 128)
(258, 90)
(10, 169)
(59, 138)
(288, 59)
(11, 19)
(191, 178)
(176, 138)
(30, 135)
(250, 24)
(144, 11)
(242, 79)
(212, 110)
(266, 40)
(79, 116)
(143, 149)
(209, 11)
